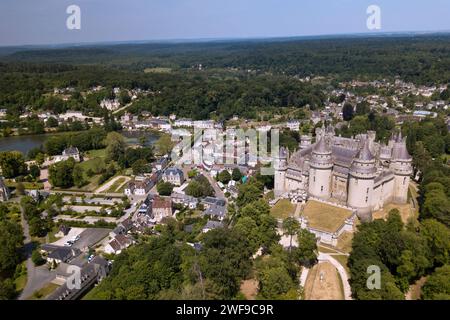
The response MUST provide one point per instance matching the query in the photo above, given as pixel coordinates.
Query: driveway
(37, 277)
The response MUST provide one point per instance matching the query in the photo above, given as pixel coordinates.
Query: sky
(24, 22)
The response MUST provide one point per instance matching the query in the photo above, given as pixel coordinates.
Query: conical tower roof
(321, 147)
(365, 154)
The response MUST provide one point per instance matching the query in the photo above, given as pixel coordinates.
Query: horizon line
(224, 39)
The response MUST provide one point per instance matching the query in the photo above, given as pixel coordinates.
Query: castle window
(314, 178)
(321, 188)
(367, 198)
(367, 191)
(404, 180)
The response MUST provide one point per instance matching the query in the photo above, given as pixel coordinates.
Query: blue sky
(44, 21)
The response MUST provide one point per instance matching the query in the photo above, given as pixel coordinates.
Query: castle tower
(320, 169)
(361, 183)
(401, 165)
(305, 141)
(385, 155)
(280, 166)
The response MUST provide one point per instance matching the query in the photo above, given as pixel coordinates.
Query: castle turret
(280, 166)
(320, 168)
(305, 141)
(401, 165)
(361, 182)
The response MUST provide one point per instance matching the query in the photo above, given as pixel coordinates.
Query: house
(93, 272)
(4, 191)
(210, 225)
(184, 199)
(71, 152)
(122, 228)
(161, 163)
(183, 123)
(293, 125)
(62, 254)
(139, 188)
(173, 175)
(161, 208)
(215, 211)
(3, 113)
(118, 243)
(209, 201)
(110, 104)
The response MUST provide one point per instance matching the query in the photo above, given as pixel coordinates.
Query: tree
(11, 240)
(224, 176)
(35, 172)
(52, 122)
(290, 227)
(437, 237)
(306, 251)
(20, 188)
(36, 257)
(164, 144)
(437, 285)
(347, 112)
(115, 146)
(61, 173)
(139, 167)
(236, 174)
(78, 177)
(199, 187)
(164, 188)
(12, 164)
(274, 283)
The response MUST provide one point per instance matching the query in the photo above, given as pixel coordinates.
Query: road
(37, 277)
(123, 108)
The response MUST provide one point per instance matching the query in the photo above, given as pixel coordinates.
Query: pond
(28, 142)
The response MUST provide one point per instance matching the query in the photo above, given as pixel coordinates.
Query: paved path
(37, 277)
(342, 273)
(108, 184)
(304, 276)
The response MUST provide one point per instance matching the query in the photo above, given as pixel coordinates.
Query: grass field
(283, 209)
(344, 243)
(21, 281)
(43, 292)
(158, 70)
(118, 183)
(100, 153)
(325, 217)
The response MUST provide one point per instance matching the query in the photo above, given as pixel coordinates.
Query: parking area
(88, 237)
(91, 236)
(72, 234)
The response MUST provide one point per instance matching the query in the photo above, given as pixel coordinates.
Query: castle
(356, 172)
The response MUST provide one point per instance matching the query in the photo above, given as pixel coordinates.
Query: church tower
(361, 182)
(401, 165)
(320, 169)
(280, 166)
